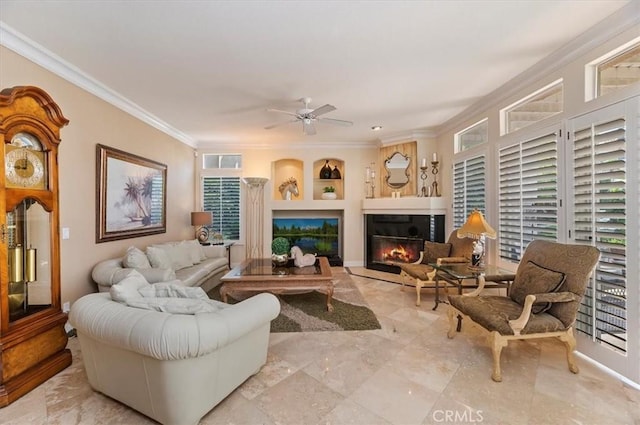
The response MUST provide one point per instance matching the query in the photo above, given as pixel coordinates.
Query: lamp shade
(201, 218)
(476, 227)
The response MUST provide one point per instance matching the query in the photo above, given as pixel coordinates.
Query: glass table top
(264, 267)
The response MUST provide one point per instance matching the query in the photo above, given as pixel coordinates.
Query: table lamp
(200, 219)
(477, 228)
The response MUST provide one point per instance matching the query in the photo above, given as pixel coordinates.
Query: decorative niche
(328, 172)
(288, 179)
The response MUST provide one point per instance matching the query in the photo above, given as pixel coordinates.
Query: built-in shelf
(319, 183)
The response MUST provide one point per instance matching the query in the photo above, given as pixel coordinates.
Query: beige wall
(94, 121)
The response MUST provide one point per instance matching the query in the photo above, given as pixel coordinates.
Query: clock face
(24, 168)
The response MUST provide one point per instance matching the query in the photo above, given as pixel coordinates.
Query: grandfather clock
(32, 335)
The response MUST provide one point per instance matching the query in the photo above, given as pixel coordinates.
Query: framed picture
(131, 195)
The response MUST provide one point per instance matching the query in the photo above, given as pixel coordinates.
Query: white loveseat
(173, 368)
(188, 261)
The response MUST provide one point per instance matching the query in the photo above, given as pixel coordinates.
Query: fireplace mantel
(405, 205)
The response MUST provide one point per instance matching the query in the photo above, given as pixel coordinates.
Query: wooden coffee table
(258, 275)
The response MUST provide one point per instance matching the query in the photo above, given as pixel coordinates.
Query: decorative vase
(325, 171)
(279, 260)
(335, 174)
(329, 195)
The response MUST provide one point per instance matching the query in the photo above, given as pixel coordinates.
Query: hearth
(399, 238)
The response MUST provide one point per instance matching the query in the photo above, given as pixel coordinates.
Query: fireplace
(399, 238)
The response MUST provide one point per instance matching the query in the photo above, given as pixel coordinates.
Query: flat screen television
(319, 236)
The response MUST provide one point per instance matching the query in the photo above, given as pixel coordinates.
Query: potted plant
(280, 251)
(329, 192)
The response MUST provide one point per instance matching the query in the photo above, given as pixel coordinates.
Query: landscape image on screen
(313, 235)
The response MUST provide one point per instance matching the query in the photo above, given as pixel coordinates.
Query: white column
(255, 216)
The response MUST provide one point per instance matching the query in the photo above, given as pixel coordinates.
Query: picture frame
(131, 195)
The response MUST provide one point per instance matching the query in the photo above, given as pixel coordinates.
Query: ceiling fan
(309, 116)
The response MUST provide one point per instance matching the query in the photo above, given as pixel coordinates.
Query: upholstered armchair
(456, 250)
(543, 301)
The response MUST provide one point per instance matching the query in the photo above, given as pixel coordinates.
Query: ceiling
(211, 69)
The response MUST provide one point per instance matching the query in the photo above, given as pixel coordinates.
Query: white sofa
(188, 261)
(173, 368)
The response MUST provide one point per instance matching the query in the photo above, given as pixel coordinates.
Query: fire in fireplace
(394, 249)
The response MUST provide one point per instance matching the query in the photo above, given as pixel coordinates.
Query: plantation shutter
(468, 188)
(599, 201)
(528, 194)
(221, 196)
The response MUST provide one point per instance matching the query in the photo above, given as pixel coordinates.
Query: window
(217, 161)
(544, 103)
(221, 196)
(469, 188)
(471, 137)
(615, 70)
(600, 211)
(528, 194)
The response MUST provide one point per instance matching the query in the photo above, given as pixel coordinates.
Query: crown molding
(620, 21)
(301, 144)
(407, 136)
(36, 53)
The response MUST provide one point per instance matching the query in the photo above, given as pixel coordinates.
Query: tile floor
(408, 372)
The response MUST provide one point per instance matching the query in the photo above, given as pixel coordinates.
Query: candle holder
(435, 190)
(424, 192)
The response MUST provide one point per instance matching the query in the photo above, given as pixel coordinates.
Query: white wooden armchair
(543, 301)
(421, 274)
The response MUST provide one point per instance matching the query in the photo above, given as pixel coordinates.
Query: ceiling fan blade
(335, 121)
(269, 127)
(308, 127)
(322, 110)
(283, 112)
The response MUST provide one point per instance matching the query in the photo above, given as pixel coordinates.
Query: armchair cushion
(417, 271)
(493, 313)
(435, 250)
(535, 279)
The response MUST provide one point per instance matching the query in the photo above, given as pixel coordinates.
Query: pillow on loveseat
(176, 254)
(135, 259)
(128, 287)
(533, 279)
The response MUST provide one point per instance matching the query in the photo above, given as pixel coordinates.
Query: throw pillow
(158, 258)
(535, 279)
(435, 250)
(127, 288)
(196, 253)
(180, 256)
(135, 259)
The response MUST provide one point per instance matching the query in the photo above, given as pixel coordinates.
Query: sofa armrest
(166, 336)
(215, 251)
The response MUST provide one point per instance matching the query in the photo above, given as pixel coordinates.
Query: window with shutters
(221, 196)
(537, 106)
(600, 211)
(468, 188)
(473, 136)
(528, 194)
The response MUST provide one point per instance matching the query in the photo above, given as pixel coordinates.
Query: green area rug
(307, 312)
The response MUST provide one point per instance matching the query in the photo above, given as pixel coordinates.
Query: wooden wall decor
(409, 149)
